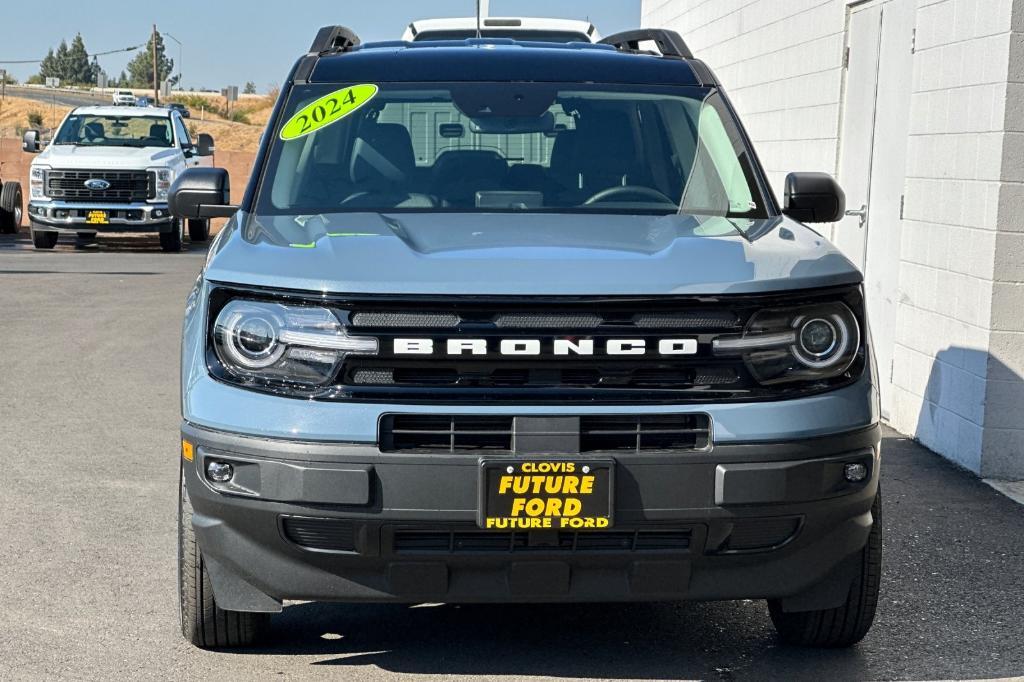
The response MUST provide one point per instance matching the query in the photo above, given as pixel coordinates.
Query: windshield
(115, 131)
(486, 147)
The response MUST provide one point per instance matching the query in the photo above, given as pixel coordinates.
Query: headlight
(796, 344)
(272, 342)
(162, 179)
(37, 180)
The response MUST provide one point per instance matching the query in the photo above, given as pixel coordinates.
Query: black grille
(441, 433)
(125, 186)
(328, 535)
(580, 358)
(761, 534)
(639, 433)
(495, 434)
(484, 542)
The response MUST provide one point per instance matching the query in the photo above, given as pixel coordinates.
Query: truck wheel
(847, 624)
(44, 240)
(203, 622)
(171, 241)
(10, 207)
(199, 230)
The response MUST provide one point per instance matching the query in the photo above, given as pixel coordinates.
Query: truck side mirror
(205, 146)
(201, 193)
(814, 198)
(30, 142)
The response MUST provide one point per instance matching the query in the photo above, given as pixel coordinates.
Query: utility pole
(156, 78)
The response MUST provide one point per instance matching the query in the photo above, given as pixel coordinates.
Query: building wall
(959, 355)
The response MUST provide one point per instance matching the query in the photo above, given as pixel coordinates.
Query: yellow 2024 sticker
(327, 110)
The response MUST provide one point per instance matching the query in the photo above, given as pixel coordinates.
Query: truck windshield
(93, 130)
(486, 147)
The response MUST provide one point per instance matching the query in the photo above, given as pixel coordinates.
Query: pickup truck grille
(125, 186)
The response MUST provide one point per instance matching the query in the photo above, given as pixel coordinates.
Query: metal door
(873, 159)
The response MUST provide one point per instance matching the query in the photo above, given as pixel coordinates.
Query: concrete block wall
(952, 219)
(959, 355)
(782, 64)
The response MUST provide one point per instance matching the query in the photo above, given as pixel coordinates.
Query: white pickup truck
(124, 98)
(108, 169)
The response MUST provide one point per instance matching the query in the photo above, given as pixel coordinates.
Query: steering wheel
(621, 192)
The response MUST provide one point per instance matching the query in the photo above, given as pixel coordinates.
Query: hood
(525, 254)
(66, 156)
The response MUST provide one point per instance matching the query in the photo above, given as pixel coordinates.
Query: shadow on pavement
(105, 243)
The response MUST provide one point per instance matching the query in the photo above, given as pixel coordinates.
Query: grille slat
(408, 541)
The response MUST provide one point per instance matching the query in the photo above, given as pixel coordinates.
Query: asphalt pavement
(89, 420)
(66, 98)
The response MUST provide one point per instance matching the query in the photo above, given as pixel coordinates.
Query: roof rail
(670, 43)
(334, 39)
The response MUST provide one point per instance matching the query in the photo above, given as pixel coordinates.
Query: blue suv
(504, 321)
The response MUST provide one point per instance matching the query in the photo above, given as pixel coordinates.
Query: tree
(250, 88)
(61, 61)
(78, 69)
(48, 67)
(140, 68)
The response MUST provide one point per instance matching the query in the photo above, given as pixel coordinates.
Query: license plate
(540, 494)
(97, 218)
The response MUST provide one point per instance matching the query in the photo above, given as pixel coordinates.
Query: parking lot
(88, 436)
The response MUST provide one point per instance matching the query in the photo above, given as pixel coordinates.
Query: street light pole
(180, 52)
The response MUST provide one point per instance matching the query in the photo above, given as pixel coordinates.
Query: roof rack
(669, 43)
(334, 39)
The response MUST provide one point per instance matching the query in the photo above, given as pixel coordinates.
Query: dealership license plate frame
(97, 218)
(488, 464)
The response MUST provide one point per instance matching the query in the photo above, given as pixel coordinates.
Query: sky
(229, 42)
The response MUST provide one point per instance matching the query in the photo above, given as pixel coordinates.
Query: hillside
(229, 135)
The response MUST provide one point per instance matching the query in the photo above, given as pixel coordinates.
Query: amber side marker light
(187, 450)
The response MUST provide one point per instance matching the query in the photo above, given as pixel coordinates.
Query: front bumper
(346, 522)
(69, 216)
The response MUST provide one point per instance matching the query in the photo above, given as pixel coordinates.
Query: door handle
(862, 213)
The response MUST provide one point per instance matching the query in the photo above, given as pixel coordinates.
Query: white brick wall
(782, 66)
(959, 354)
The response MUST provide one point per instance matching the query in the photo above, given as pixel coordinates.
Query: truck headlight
(264, 342)
(37, 182)
(162, 179)
(796, 344)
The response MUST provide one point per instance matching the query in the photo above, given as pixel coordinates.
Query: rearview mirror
(814, 198)
(205, 146)
(30, 142)
(201, 193)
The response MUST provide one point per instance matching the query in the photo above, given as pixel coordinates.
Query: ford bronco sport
(501, 321)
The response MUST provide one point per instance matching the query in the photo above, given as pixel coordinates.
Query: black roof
(501, 60)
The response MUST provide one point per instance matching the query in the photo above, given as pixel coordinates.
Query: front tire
(847, 624)
(198, 230)
(11, 207)
(171, 241)
(44, 240)
(203, 623)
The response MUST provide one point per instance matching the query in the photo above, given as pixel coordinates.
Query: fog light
(158, 213)
(855, 473)
(219, 472)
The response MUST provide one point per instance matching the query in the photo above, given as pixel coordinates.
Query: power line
(88, 54)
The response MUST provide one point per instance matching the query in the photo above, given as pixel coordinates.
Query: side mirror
(205, 146)
(814, 198)
(30, 142)
(201, 193)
